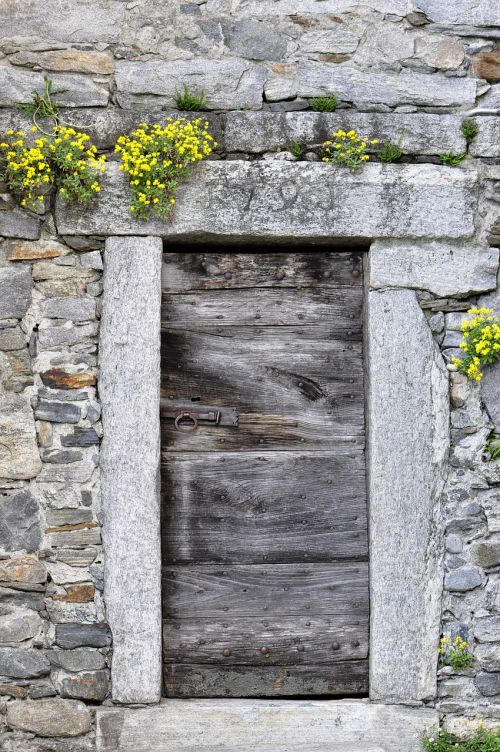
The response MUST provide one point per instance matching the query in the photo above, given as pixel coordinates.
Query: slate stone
(70, 636)
(57, 378)
(49, 717)
(58, 517)
(20, 522)
(57, 412)
(65, 334)
(23, 599)
(15, 290)
(487, 629)
(490, 389)
(486, 554)
(85, 685)
(72, 308)
(254, 40)
(23, 663)
(17, 625)
(61, 456)
(19, 455)
(15, 224)
(81, 437)
(12, 338)
(228, 83)
(488, 684)
(79, 659)
(463, 579)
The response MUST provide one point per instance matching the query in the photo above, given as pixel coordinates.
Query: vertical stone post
(129, 386)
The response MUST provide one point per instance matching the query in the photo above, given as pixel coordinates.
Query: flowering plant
(347, 149)
(157, 158)
(63, 159)
(481, 342)
(456, 654)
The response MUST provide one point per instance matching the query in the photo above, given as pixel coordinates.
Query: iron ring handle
(186, 428)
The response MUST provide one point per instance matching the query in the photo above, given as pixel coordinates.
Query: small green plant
(443, 741)
(186, 101)
(296, 149)
(348, 149)
(492, 447)
(481, 342)
(64, 159)
(43, 105)
(324, 104)
(469, 129)
(157, 158)
(455, 654)
(391, 152)
(450, 159)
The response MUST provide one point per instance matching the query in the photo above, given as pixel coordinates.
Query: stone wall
(396, 66)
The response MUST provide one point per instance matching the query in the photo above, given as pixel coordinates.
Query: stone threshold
(263, 726)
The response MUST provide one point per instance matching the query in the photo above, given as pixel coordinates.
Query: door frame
(407, 397)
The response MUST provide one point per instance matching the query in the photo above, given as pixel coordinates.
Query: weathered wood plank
(296, 640)
(276, 507)
(341, 679)
(264, 307)
(211, 270)
(211, 591)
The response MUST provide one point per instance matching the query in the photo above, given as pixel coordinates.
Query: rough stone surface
(15, 291)
(490, 391)
(19, 522)
(57, 412)
(79, 659)
(441, 268)
(482, 13)
(69, 307)
(226, 201)
(71, 636)
(405, 599)
(130, 456)
(17, 86)
(17, 224)
(19, 456)
(17, 625)
(22, 569)
(23, 663)
(488, 684)
(463, 579)
(49, 717)
(179, 726)
(228, 84)
(85, 685)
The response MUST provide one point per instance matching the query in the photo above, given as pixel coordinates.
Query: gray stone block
(17, 86)
(360, 87)
(254, 40)
(16, 224)
(71, 636)
(488, 684)
(20, 528)
(233, 200)
(84, 685)
(57, 412)
(481, 13)
(17, 625)
(79, 659)
(442, 268)
(89, 22)
(487, 629)
(19, 458)
(49, 717)
(228, 83)
(463, 579)
(405, 538)
(72, 308)
(23, 663)
(229, 725)
(423, 133)
(263, 8)
(15, 290)
(130, 462)
(487, 142)
(487, 554)
(490, 391)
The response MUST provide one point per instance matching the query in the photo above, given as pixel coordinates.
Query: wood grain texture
(296, 640)
(210, 591)
(263, 307)
(339, 679)
(183, 272)
(277, 507)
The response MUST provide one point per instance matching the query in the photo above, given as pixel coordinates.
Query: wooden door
(264, 523)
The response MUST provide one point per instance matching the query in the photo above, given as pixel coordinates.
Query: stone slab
(478, 13)
(49, 717)
(487, 143)
(15, 292)
(17, 86)
(408, 414)
(258, 132)
(19, 456)
(262, 8)
(16, 224)
(230, 201)
(361, 87)
(441, 268)
(262, 726)
(129, 386)
(228, 84)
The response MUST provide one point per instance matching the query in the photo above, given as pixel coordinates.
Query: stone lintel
(283, 201)
(263, 725)
(408, 426)
(129, 386)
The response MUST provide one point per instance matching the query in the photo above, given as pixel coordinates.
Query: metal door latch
(187, 417)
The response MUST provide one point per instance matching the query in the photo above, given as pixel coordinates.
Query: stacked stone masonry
(412, 67)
